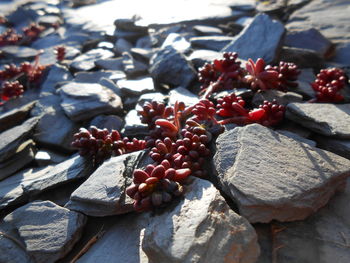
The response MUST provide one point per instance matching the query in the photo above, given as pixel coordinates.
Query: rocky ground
(272, 195)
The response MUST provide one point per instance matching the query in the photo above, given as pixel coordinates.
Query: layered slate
(271, 176)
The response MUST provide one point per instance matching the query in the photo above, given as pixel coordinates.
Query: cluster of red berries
(60, 53)
(328, 84)
(30, 33)
(102, 144)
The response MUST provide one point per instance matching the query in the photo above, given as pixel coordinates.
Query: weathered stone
(207, 30)
(177, 42)
(81, 101)
(133, 125)
(340, 147)
(260, 39)
(72, 169)
(281, 97)
(133, 67)
(45, 157)
(23, 155)
(181, 94)
(122, 45)
(87, 60)
(136, 87)
(330, 18)
(342, 55)
(48, 231)
(14, 117)
(306, 77)
(142, 54)
(215, 43)
(297, 137)
(309, 39)
(96, 76)
(56, 74)
(201, 56)
(110, 122)
(18, 52)
(269, 182)
(168, 66)
(196, 230)
(14, 137)
(103, 193)
(304, 58)
(156, 96)
(110, 63)
(323, 118)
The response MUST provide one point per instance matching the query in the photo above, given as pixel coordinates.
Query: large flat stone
(81, 101)
(87, 60)
(323, 118)
(271, 176)
(103, 194)
(201, 228)
(47, 230)
(260, 39)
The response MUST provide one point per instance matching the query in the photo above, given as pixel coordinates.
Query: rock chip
(122, 45)
(110, 63)
(81, 101)
(56, 74)
(103, 193)
(304, 58)
(340, 147)
(269, 182)
(133, 67)
(136, 87)
(48, 231)
(177, 42)
(306, 77)
(215, 43)
(168, 66)
(323, 118)
(207, 30)
(54, 129)
(87, 60)
(309, 39)
(196, 230)
(45, 157)
(133, 126)
(18, 52)
(181, 94)
(281, 97)
(260, 39)
(97, 76)
(14, 117)
(110, 122)
(14, 137)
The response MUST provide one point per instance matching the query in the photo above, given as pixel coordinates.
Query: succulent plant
(60, 52)
(11, 90)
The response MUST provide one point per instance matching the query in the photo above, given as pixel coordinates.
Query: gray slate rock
(323, 118)
(45, 157)
(309, 39)
(262, 31)
(81, 101)
(306, 77)
(57, 74)
(304, 58)
(14, 137)
(122, 45)
(201, 56)
(110, 63)
(133, 126)
(203, 30)
(181, 94)
(87, 60)
(273, 177)
(136, 87)
(176, 41)
(337, 146)
(24, 154)
(110, 122)
(54, 129)
(215, 43)
(48, 231)
(168, 66)
(297, 137)
(342, 55)
(331, 18)
(72, 169)
(97, 76)
(103, 193)
(281, 97)
(196, 230)
(18, 52)
(133, 67)
(14, 117)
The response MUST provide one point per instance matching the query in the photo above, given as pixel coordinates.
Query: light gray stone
(97, 76)
(181, 94)
(57, 74)
(204, 30)
(81, 101)
(122, 45)
(201, 228)
(48, 231)
(177, 42)
(342, 55)
(110, 122)
(323, 118)
(271, 176)
(281, 97)
(14, 117)
(133, 125)
(87, 60)
(136, 87)
(168, 66)
(306, 77)
(297, 137)
(215, 43)
(304, 58)
(103, 193)
(18, 52)
(11, 139)
(110, 63)
(54, 129)
(133, 67)
(262, 31)
(45, 157)
(201, 56)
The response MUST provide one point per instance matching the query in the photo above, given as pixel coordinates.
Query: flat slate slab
(47, 230)
(81, 101)
(103, 193)
(323, 118)
(87, 60)
(271, 176)
(260, 39)
(201, 228)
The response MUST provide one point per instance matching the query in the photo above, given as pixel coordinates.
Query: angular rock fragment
(136, 87)
(133, 126)
(87, 60)
(323, 118)
(283, 98)
(47, 230)
(81, 101)
(214, 43)
(57, 74)
(337, 146)
(271, 176)
(260, 39)
(110, 122)
(181, 94)
(201, 228)
(103, 194)
(168, 66)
